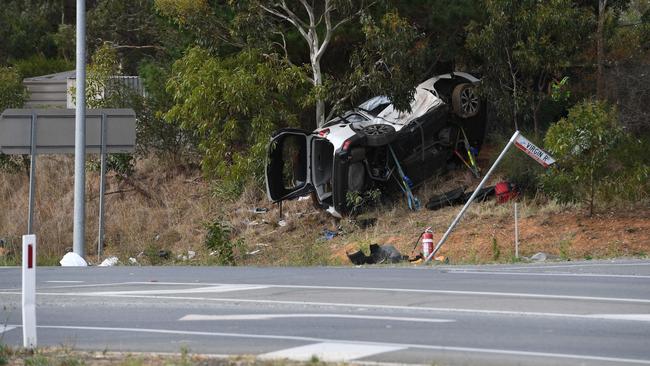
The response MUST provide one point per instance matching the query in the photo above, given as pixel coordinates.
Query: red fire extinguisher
(427, 242)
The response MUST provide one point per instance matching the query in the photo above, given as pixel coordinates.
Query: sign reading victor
(533, 151)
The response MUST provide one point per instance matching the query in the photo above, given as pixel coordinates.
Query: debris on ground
(260, 210)
(109, 262)
(453, 197)
(164, 254)
(378, 254)
(133, 261)
(538, 257)
(282, 223)
(504, 191)
(365, 223)
(190, 255)
(73, 260)
(418, 259)
(329, 234)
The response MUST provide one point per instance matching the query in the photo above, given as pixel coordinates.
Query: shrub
(358, 201)
(218, 242)
(12, 95)
(587, 145)
(38, 65)
(12, 90)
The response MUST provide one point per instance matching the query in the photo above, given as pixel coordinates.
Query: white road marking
(329, 352)
(322, 340)
(637, 317)
(237, 287)
(200, 317)
(5, 328)
(210, 289)
(65, 281)
(563, 274)
(543, 266)
(334, 304)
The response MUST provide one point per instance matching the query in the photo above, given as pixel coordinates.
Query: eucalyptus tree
(523, 46)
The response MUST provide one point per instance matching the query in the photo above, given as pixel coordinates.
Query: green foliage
(496, 251)
(134, 29)
(104, 91)
(218, 240)
(152, 252)
(121, 163)
(38, 65)
(12, 95)
(12, 91)
(585, 145)
(155, 134)
(27, 28)
(522, 47)
(565, 249)
(390, 62)
(37, 360)
(233, 104)
(357, 201)
(444, 25)
(65, 41)
(560, 91)
(5, 353)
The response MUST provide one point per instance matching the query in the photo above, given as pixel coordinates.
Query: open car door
(288, 168)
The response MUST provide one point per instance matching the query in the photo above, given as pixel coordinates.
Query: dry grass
(167, 208)
(171, 218)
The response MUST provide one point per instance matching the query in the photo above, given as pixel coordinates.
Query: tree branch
(297, 25)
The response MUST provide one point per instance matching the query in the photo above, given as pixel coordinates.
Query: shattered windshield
(375, 105)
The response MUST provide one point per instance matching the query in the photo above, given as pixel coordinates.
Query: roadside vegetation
(67, 356)
(221, 76)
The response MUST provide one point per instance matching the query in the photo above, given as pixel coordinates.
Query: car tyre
(465, 101)
(379, 134)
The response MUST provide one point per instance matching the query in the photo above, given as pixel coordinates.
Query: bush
(38, 65)
(588, 146)
(12, 95)
(218, 242)
(12, 90)
(154, 134)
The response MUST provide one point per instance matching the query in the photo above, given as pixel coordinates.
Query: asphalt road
(560, 313)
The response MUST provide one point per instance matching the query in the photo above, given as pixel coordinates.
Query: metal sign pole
(102, 188)
(32, 177)
(80, 134)
(516, 232)
(469, 201)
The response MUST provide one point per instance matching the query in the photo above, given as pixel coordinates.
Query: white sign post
(522, 143)
(29, 291)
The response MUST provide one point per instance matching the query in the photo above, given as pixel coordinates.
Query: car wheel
(379, 134)
(465, 101)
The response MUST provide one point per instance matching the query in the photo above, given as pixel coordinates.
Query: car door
(288, 164)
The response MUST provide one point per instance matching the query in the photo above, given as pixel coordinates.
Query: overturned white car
(367, 147)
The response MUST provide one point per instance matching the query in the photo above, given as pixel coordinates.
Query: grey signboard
(55, 130)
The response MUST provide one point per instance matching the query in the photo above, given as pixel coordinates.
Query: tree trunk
(592, 183)
(535, 118)
(318, 83)
(600, 50)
